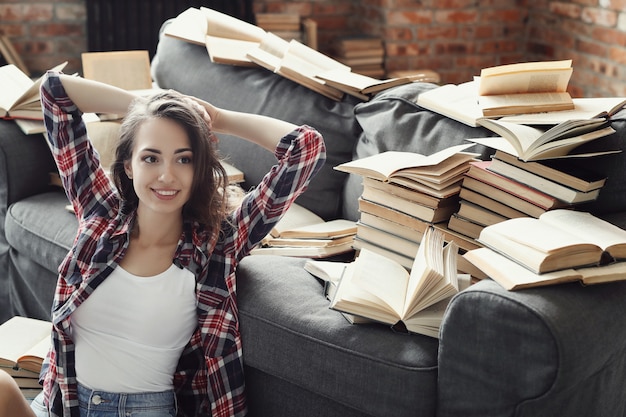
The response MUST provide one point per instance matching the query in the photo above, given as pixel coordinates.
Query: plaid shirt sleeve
(301, 154)
(85, 182)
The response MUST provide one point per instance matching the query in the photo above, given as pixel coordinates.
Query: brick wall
(46, 33)
(454, 37)
(459, 37)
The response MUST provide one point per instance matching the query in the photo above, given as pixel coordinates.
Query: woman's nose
(167, 174)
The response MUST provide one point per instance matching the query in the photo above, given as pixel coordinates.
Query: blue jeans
(106, 404)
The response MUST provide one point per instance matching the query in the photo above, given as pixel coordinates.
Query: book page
(513, 235)
(230, 51)
(329, 229)
(526, 66)
(129, 70)
(296, 216)
(350, 79)
(308, 62)
(354, 299)
(587, 227)
(524, 101)
(189, 26)
(225, 26)
(458, 102)
(325, 270)
(548, 76)
(18, 335)
(513, 276)
(270, 52)
(426, 274)
(522, 137)
(383, 165)
(14, 84)
(382, 277)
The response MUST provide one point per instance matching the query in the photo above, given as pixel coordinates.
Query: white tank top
(130, 333)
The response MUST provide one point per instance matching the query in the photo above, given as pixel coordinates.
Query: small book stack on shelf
(24, 343)
(560, 246)
(403, 195)
(302, 233)
(284, 25)
(532, 171)
(289, 26)
(363, 53)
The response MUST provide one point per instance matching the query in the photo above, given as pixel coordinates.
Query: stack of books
(403, 195)
(363, 53)
(284, 25)
(302, 233)
(531, 172)
(24, 343)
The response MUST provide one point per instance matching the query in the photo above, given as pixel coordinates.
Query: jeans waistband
(104, 400)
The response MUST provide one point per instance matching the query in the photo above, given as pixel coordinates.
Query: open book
(20, 94)
(297, 62)
(530, 143)
(380, 289)
(359, 85)
(513, 276)
(226, 38)
(558, 239)
(527, 87)
(436, 171)
(457, 102)
(24, 343)
(302, 233)
(299, 222)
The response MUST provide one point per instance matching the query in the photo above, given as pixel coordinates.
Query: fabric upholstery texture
(289, 331)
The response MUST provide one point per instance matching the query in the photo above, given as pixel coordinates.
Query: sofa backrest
(187, 68)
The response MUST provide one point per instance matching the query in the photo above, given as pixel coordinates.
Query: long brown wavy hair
(208, 202)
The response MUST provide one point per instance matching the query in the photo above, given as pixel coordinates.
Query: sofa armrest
(25, 164)
(558, 350)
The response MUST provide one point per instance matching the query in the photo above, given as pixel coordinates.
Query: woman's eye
(150, 159)
(185, 160)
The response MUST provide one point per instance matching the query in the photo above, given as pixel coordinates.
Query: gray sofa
(557, 351)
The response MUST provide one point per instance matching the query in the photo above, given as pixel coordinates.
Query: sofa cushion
(393, 121)
(187, 68)
(289, 331)
(42, 227)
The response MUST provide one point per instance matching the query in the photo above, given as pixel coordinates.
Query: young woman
(145, 313)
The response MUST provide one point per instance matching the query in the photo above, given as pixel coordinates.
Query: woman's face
(161, 167)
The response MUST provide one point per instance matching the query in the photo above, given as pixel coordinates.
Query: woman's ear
(128, 169)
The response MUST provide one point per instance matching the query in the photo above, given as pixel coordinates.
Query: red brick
(398, 34)
(608, 35)
(437, 32)
(591, 48)
(618, 54)
(619, 5)
(11, 13)
(12, 29)
(38, 13)
(456, 16)
(69, 12)
(565, 9)
(57, 29)
(400, 18)
(600, 17)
